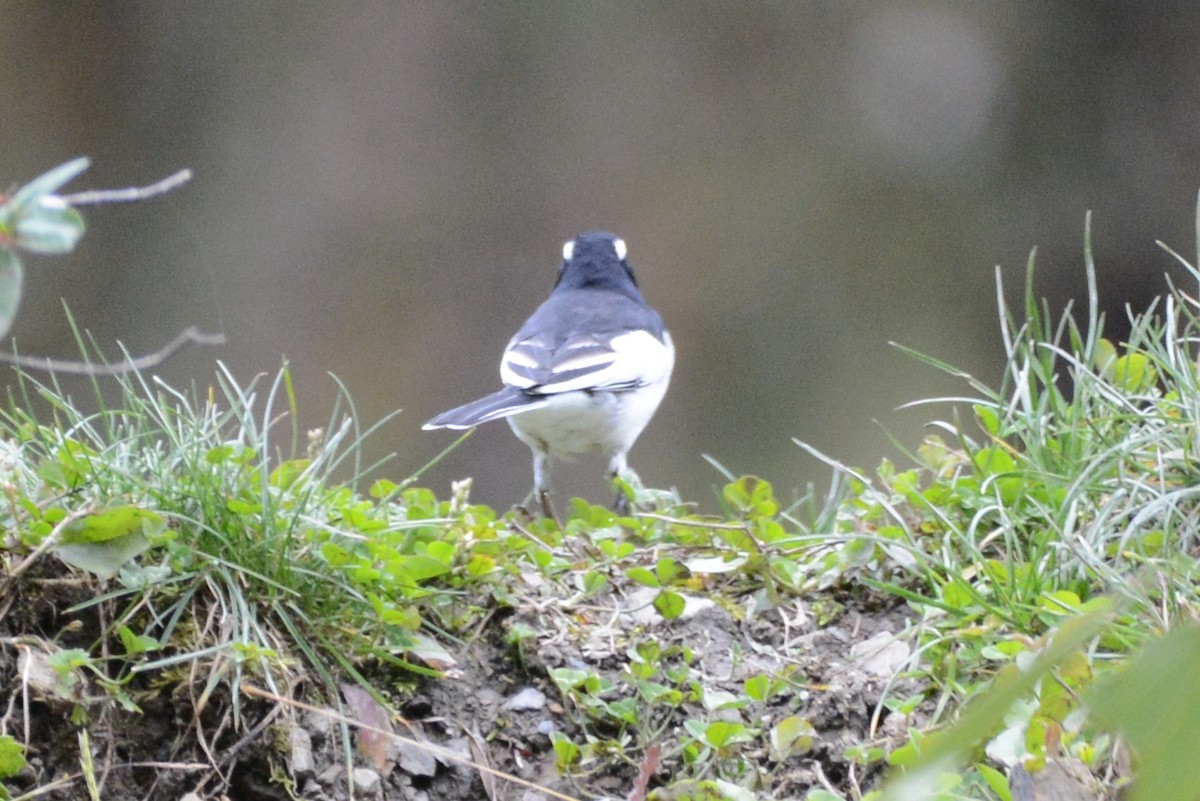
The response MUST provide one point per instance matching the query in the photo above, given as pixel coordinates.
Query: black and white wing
(588, 340)
(577, 341)
(587, 362)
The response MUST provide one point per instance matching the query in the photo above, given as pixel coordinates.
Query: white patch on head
(619, 246)
(568, 250)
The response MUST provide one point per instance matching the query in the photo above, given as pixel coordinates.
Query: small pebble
(526, 699)
(413, 759)
(302, 756)
(330, 775)
(367, 782)
(895, 725)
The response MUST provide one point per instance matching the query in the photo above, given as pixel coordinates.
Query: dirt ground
(495, 708)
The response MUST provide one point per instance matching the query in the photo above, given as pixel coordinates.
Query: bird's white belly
(577, 423)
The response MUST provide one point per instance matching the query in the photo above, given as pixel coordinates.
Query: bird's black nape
(596, 260)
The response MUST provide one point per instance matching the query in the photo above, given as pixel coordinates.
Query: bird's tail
(507, 401)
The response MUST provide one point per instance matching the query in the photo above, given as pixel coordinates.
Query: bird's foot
(548, 507)
(538, 504)
(627, 484)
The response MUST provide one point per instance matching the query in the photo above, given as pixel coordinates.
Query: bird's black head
(596, 260)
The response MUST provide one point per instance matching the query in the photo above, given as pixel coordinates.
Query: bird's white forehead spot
(619, 246)
(568, 249)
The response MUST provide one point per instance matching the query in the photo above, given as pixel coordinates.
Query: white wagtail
(587, 370)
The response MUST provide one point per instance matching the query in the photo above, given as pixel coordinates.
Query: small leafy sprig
(36, 218)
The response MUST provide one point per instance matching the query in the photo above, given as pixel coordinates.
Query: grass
(1041, 537)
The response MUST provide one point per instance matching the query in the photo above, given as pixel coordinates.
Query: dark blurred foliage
(382, 190)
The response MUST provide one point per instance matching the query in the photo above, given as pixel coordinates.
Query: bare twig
(128, 195)
(189, 335)
(646, 772)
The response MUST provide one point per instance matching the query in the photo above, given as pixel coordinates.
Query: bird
(586, 372)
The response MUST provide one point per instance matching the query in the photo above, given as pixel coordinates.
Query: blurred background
(382, 191)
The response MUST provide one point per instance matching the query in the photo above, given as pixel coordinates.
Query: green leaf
(48, 226)
(419, 567)
(12, 756)
(219, 454)
(993, 461)
(103, 558)
(1060, 602)
(752, 496)
(1133, 372)
(566, 753)
(758, 687)
(383, 488)
(668, 570)
(715, 699)
(480, 565)
(1153, 701)
(642, 575)
(721, 733)
(137, 643)
(11, 278)
(287, 473)
(1000, 463)
(669, 604)
(624, 710)
(653, 692)
(103, 541)
(569, 678)
(995, 780)
(593, 582)
(1105, 358)
(792, 736)
(989, 418)
(520, 631)
(112, 523)
(68, 659)
(335, 554)
(442, 551)
(958, 594)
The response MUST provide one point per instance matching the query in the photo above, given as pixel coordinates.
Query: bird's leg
(619, 468)
(548, 507)
(541, 485)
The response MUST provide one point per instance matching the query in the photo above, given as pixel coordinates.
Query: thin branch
(189, 335)
(128, 195)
